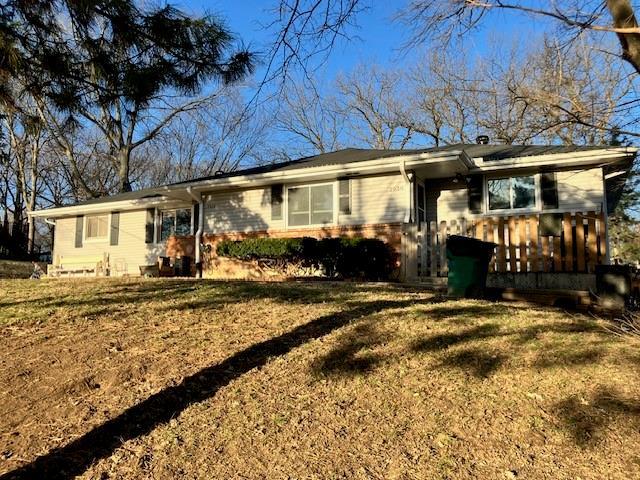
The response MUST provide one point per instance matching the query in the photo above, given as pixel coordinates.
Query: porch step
(580, 299)
(437, 283)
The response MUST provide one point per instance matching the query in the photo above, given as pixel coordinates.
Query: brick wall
(390, 233)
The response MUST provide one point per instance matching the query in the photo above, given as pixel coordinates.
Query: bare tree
(222, 135)
(311, 119)
(27, 137)
(370, 100)
(429, 18)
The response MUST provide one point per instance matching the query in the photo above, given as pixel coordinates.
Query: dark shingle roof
(351, 155)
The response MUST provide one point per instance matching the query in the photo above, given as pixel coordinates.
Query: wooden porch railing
(578, 246)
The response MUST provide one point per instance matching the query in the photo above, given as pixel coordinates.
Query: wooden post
(433, 248)
(580, 243)
(512, 245)
(592, 245)
(409, 248)
(443, 250)
(492, 263)
(501, 261)
(522, 238)
(533, 245)
(557, 255)
(546, 255)
(567, 223)
(602, 238)
(479, 223)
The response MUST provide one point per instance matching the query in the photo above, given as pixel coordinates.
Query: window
(312, 205)
(344, 196)
(512, 193)
(97, 226)
(175, 222)
(276, 202)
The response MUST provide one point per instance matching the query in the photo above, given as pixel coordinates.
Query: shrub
(363, 258)
(256, 248)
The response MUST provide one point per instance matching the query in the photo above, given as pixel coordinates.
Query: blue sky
(376, 40)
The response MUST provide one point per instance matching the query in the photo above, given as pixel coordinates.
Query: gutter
(198, 235)
(403, 171)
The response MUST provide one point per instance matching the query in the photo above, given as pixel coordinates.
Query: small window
(276, 202)
(96, 227)
(175, 222)
(311, 205)
(344, 196)
(512, 193)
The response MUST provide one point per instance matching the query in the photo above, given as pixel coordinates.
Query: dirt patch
(168, 378)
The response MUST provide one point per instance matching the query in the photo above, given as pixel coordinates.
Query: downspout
(198, 235)
(407, 181)
(605, 211)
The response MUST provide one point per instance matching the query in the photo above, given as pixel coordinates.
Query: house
(545, 206)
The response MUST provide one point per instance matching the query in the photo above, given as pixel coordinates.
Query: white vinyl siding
(131, 247)
(379, 199)
(578, 190)
(239, 211)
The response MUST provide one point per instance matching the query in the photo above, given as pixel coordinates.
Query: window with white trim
(511, 193)
(310, 205)
(175, 222)
(97, 227)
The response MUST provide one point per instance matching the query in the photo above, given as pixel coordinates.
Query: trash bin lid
(469, 247)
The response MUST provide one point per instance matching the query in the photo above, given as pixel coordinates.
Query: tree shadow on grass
(445, 340)
(75, 457)
(479, 363)
(172, 294)
(346, 358)
(586, 419)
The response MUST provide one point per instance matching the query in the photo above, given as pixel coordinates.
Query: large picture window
(175, 222)
(512, 193)
(97, 226)
(312, 205)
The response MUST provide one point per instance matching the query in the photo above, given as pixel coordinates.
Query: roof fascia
(99, 207)
(591, 157)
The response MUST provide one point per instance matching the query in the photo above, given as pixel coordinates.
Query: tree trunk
(623, 17)
(124, 155)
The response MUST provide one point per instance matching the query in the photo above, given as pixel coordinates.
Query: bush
(363, 258)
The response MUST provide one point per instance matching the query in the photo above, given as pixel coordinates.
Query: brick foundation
(390, 233)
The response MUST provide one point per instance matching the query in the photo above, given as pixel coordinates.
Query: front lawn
(199, 379)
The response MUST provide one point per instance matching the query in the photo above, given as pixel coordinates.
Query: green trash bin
(468, 260)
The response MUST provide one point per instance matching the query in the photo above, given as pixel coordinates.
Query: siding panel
(580, 190)
(380, 199)
(131, 247)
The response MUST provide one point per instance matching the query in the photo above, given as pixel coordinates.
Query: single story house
(545, 206)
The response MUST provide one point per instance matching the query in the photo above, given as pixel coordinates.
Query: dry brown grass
(17, 268)
(171, 379)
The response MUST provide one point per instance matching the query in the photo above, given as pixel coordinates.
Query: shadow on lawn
(587, 418)
(470, 351)
(74, 458)
(176, 294)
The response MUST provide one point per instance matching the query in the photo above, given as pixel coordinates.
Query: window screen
(97, 226)
(312, 205)
(512, 193)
